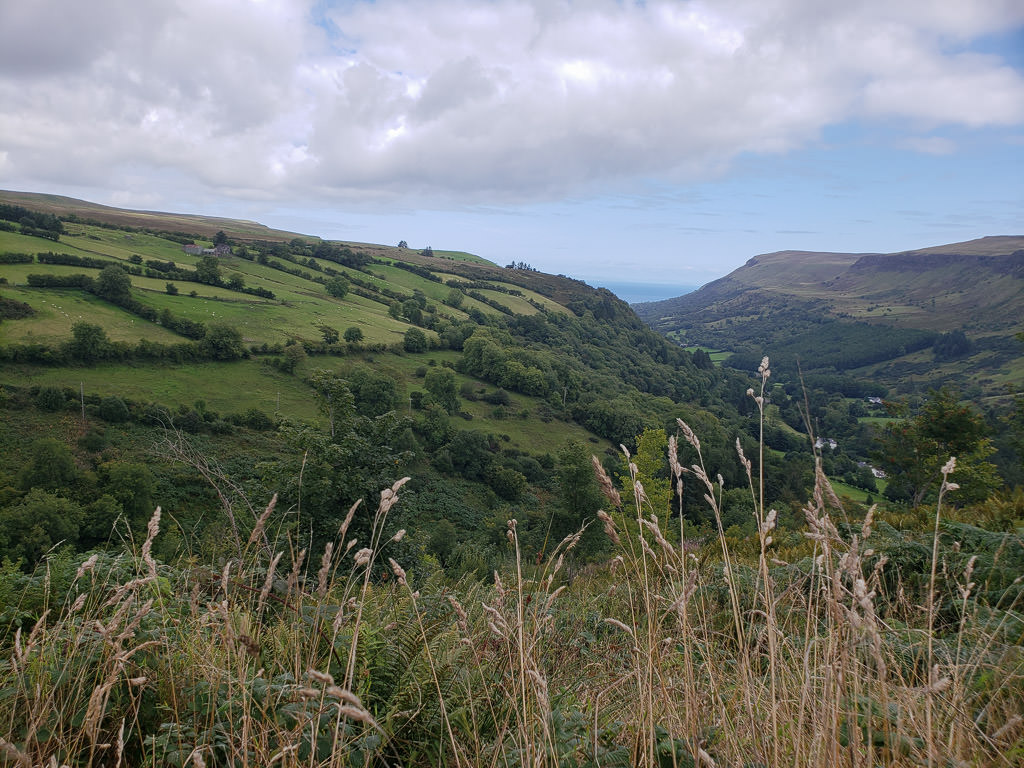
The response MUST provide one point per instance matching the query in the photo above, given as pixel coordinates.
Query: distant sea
(634, 293)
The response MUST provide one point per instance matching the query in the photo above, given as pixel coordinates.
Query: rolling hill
(323, 370)
(271, 287)
(908, 320)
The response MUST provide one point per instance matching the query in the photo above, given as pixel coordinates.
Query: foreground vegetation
(845, 643)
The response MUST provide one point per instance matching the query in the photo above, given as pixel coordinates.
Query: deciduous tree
(114, 285)
(223, 342)
(337, 287)
(89, 342)
(208, 270)
(334, 399)
(440, 383)
(50, 466)
(414, 340)
(913, 451)
(38, 523)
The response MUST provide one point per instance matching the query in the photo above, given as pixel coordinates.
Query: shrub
(113, 410)
(256, 419)
(94, 440)
(50, 399)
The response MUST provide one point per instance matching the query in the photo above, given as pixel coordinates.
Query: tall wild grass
(671, 653)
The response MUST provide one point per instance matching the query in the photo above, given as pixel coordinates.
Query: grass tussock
(670, 654)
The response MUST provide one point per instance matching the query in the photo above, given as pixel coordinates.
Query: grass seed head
(325, 569)
(689, 434)
(86, 566)
(257, 530)
(607, 486)
(398, 570)
(321, 677)
(348, 520)
(363, 556)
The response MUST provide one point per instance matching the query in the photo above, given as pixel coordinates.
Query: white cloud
(500, 100)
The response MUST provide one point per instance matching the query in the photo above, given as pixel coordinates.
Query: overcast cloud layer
(501, 101)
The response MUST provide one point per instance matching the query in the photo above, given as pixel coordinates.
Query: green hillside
(908, 321)
(320, 370)
(311, 503)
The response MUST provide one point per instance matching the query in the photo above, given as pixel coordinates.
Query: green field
(225, 387)
(716, 355)
(238, 386)
(858, 494)
(300, 306)
(58, 310)
(878, 420)
(462, 256)
(299, 309)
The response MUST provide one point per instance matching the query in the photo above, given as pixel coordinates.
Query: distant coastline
(636, 293)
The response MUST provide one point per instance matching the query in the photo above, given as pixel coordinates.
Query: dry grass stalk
(258, 530)
(682, 658)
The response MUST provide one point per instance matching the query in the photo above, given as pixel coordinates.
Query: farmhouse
(198, 250)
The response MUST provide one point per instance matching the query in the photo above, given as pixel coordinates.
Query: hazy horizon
(638, 293)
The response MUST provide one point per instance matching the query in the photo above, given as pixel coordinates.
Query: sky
(660, 144)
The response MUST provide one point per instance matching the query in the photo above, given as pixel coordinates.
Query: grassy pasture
(517, 304)
(385, 274)
(12, 242)
(17, 274)
(547, 303)
(300, 306)
(521, 305)
(856, 494)
(439, 291)
(716, 355)
(395, 276)
(120, 245)
(272, 322)
(876, 420)
(225, 387)
(530, 434)
(462, 256)
(82, 240)
(58, 310)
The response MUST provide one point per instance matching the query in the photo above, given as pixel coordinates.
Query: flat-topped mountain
(947, 313)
